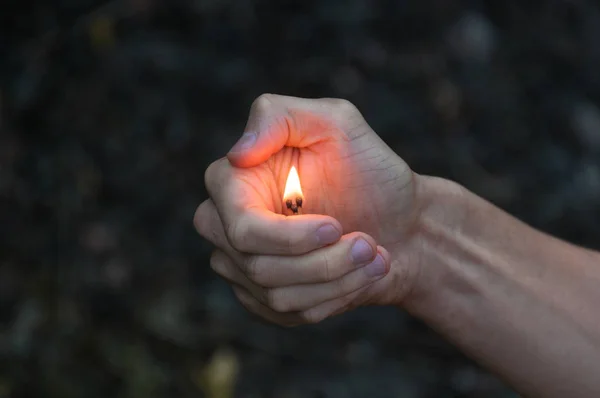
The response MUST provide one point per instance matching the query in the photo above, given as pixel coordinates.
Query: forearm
(524, 304)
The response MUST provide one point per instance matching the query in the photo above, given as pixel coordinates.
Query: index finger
(252, 228)
(276, 121)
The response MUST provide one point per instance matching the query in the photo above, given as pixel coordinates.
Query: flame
(292, 186)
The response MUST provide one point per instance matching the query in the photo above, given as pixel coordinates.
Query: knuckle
(268, 297)
(216, 261)
(210, 174)
(237, 235)
(262, 103)
(252, 268)
(343, 107)
(349, 118)
(200, 218)
(311, 317)
(213, 175)
(276, 301)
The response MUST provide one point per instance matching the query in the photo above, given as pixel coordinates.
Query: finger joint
(277, 301)
(237, 235)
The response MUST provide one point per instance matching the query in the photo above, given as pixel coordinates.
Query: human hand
(359, 204)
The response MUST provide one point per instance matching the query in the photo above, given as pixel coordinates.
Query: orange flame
(293, 189)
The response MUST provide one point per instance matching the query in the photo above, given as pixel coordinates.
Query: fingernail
(376, 268)
(246, 141)
(361, 252)
(327, 234)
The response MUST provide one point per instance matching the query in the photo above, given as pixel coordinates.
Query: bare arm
(522, 303)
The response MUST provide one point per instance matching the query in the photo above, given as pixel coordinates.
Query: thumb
(276, 121)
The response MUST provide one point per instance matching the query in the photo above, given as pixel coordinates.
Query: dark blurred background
(111, 111)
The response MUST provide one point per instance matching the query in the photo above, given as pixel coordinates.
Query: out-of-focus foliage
(111, 111)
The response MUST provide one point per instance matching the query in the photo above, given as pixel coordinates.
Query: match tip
(294, 205)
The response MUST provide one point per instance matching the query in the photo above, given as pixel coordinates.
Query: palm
(363, 186)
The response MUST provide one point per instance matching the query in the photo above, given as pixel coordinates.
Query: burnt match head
(295, 205)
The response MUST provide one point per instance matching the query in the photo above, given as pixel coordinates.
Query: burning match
(292, 195)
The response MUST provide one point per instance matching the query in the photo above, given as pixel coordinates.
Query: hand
(359, 204)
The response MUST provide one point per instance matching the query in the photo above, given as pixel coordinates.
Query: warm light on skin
(293, 189)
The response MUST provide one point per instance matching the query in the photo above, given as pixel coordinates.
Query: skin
(520, 302)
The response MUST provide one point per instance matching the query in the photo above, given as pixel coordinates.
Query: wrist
(441, 209)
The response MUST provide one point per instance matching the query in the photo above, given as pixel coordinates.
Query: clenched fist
(346, 250)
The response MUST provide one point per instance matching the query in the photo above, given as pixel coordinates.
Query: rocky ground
(110, 112)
